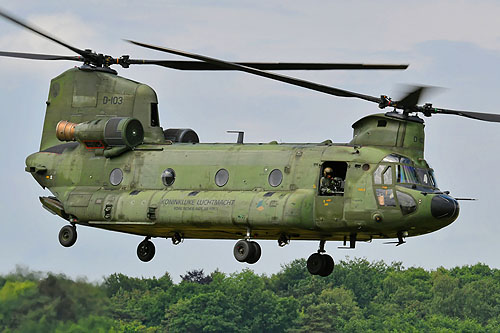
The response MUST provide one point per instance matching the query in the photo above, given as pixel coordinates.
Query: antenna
(240, 135)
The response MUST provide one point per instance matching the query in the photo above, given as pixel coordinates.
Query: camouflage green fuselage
(136, 199)
(196, 207)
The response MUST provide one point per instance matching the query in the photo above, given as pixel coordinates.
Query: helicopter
(110, 165)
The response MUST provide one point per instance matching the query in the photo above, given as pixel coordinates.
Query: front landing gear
(247, 251)
(320, 263)
(67, 235)
(146, 250)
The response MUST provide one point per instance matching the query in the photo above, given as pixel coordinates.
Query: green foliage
(362, 277)
(116, 282)
(359, 296)
(333, 310)
(239, 302)
(12, 290)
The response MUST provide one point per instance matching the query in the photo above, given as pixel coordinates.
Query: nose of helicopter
(444, 207)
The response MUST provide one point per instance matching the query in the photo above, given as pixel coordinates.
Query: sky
(449, 44)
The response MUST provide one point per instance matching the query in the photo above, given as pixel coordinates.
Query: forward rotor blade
(204, 66)
(491, 117)
(43, 34)
(287, 79)
(37, 56)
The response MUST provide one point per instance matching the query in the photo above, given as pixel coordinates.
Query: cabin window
(168, 177)
(155, 119)
(221, 177)
(116, 177)
(275, 178)
(332, 181)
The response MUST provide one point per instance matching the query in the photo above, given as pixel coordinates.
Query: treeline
(359, 296)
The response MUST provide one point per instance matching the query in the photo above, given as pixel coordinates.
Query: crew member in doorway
(331, 185)
(327, 185)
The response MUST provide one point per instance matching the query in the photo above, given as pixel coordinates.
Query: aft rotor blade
(37, 56)
(43, 34)
(287, 79)
(469, 114)
(204, 66)
(411, 99)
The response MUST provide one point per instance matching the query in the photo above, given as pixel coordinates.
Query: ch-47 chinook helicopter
(110, 165)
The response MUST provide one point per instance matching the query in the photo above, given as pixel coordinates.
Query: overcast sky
(451, 44)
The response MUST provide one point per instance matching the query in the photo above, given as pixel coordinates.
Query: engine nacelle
(101, 133)
(181, 135)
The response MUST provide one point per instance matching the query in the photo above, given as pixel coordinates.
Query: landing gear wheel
(328, 265)
(146, 250)
(320, 264)
(67, 235)
(243, 250)
(256, 253)
(315, 263)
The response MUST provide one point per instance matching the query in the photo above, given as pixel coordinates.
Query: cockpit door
(383, 181)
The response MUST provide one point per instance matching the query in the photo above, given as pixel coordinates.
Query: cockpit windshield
(407, 173)
(426, 177)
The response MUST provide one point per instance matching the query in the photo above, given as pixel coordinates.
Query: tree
(362, 277)
(481, 300)
(447, 297)
(403, 291)
(239, 302)
(118, 281)
(358, 296)
(334, 309)
(197, 276)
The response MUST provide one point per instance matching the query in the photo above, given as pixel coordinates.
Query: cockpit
(399, 170)
(404, 172)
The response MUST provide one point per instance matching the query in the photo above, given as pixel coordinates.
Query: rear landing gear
(320, 263)
(247, 251)
(146, 250)
(67, 235)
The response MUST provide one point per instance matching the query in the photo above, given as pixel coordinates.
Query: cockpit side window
(388, 175)
(383, 175)
(377, 174)
(385, 197)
